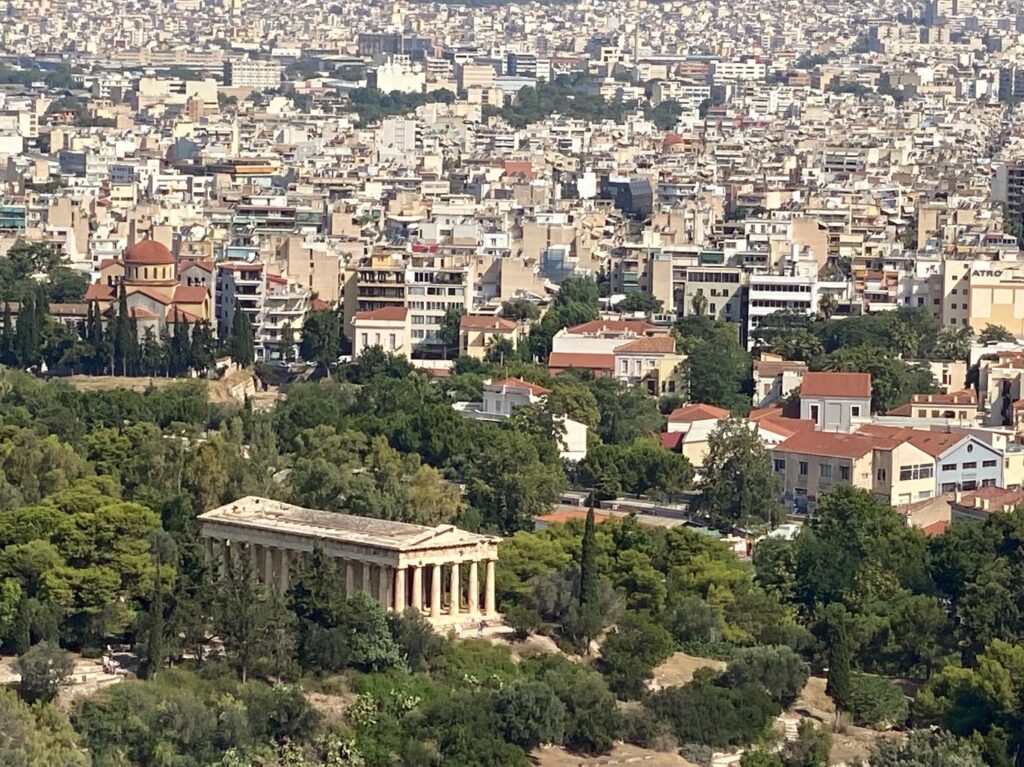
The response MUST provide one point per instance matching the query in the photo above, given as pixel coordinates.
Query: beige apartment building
(996, 292)
(313, 265)
(810, 463)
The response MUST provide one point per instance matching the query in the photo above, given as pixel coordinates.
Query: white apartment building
(270, 301)
(249, 73)
(430, 292)
(770, 293)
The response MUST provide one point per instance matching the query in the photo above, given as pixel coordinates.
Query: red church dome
(148, 252)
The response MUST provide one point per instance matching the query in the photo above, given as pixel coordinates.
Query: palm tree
(905, 339)
(699, 304)
(827, 305)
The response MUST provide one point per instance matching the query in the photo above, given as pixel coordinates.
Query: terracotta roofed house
(688, 430)
(835, 401)
(478, 331)
(387, 328)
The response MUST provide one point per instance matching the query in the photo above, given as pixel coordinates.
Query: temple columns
(435, 591)
(455, 593)
(474, 589)
(489, 606)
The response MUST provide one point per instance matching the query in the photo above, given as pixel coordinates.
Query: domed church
(159, 291)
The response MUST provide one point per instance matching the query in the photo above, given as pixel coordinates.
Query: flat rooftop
(277, 517)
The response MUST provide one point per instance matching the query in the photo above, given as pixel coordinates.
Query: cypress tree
(588, 562)
(840, 658)
(26, 334)
(7, 338)
(123, 340)
(240, 343)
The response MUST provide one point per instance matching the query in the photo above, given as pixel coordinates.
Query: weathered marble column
(474, 589)
(367, 583)
(489, 607)
(417, 587)
(283, 575)
(208, 551)
(350, 578)
(225, 557)
(268, 566)
(435, 591)
(399, 589)
(455, 592)
(383, 584)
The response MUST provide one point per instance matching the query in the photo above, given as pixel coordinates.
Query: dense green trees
(321, 338)
(533, 104)
(740, 487)
(643, 467)
(879, 344)
(718, 365)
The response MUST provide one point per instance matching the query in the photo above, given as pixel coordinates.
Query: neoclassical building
(445, 572)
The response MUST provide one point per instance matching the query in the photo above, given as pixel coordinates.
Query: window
(949, 467)
(780, 464)
(968, 465)
(988, 464)
(987, 482)
(393, 341)
(364, 337)
(948, 487)
(803, 468)
(844, 473)
(881, 475)
(917, 471)
(855, 410)
(825, 471)
(814, 413)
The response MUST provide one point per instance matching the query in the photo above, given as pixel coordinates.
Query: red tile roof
(486, 322)
(698, 412)
(997, 498)
(963, 397)
(152, 293)
(935, 443)
(836, 385)
(935, 528)
(518, 383)
(387, 314)
(597, 362)
(671, 440)
(831, 444)
(191, 294)
(99, 292)
(138, 313)
(612, 327)
(652, 345)
(786, 427)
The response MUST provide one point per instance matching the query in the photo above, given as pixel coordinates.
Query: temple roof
(284, 518)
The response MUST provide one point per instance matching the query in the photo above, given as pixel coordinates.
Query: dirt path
(679, 670)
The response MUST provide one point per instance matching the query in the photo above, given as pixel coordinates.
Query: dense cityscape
(493, 384)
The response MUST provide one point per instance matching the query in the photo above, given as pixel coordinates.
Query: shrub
(777, 670)
(876, 702)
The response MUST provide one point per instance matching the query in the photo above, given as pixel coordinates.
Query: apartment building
(274, 305)
(251, 73)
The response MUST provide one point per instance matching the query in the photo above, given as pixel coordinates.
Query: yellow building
(477, 332)
(997, 296)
